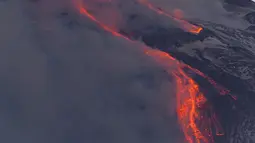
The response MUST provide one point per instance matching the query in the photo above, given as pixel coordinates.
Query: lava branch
(80, 6)
(222, 90)
(184, 24)
(189, 98)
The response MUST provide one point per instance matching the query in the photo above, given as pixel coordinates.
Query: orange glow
(196, 115)
(191, 103)
(81, 7)
(187, 92)
(178, 14)
(222, 90)
(192, 106)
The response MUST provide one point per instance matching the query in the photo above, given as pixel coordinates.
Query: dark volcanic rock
(251, 28)
(250, 17)
(239, 2)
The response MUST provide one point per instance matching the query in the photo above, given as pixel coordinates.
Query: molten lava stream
(193, 108)
(187, 92)
(196, 114)
(222, 90)
(178, 14)
(80, 6)
(188, 95)
(177, 17)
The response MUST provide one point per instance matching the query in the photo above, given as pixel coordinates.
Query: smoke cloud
(65, 80)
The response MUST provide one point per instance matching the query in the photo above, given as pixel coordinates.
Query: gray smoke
(65, 80)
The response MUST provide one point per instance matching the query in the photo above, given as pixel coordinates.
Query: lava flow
(177, 17)
(192, 106)
(80, 6)
(196, 115)
(187, 91)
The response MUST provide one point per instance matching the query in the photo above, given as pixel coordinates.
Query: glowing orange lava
(177, 17)
(222, 90)
(187, 91)
(81, 7)
(190, 101)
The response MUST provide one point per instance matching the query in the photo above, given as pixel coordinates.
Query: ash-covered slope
(224, 53)
(239, 2)
(220, 48)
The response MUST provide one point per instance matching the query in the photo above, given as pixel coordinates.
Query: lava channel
(177, 17)
(192, 105)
